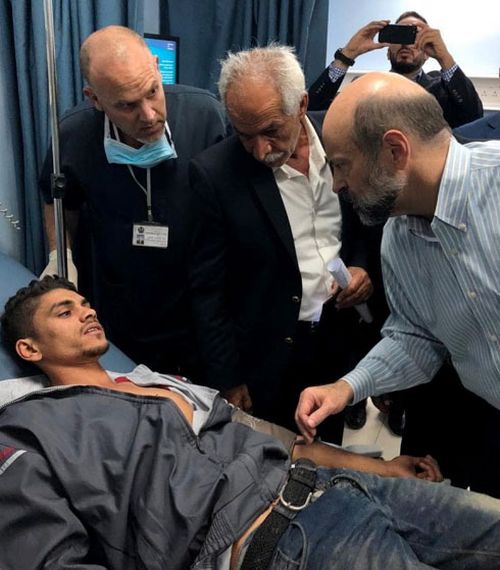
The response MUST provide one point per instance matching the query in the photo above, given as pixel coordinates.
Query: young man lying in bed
(149, 471)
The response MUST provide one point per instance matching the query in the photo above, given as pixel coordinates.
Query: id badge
(150, 235)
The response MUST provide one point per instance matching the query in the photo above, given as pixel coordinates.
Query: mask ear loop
(115, 130)
(169, 137)
(147, 190)
(107, 130)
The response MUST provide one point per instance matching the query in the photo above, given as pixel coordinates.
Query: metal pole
(58, 182)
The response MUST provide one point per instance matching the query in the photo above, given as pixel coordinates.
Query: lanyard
(146, 190)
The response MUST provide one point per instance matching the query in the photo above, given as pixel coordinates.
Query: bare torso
(158, 391)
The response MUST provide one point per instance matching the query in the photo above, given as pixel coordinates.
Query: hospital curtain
(25, 101)
(209, 28)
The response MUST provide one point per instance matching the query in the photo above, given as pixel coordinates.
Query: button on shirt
(313, 211)
(443, 284)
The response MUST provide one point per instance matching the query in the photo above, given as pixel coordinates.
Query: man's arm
(431, 42)
(70, 223)
(38, 527)
(324, 89)
(71, 218)
(455, 92)
(335, 457)
(408, 355)
(463, 104)
(394, 363)
(316, 403)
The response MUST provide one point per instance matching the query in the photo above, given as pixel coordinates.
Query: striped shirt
(442, 280)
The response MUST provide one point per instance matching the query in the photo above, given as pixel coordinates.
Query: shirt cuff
(335, 73)
(362, 383)
(447, 74)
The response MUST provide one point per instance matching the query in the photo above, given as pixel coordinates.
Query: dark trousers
(319, 354)
(458, 428)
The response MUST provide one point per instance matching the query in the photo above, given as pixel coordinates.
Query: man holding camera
(453, 90)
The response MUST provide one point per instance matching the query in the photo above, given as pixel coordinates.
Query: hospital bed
(17, 377)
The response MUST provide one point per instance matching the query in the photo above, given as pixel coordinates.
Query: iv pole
(58, 181)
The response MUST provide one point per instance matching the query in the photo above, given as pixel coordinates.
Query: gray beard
(383, 190)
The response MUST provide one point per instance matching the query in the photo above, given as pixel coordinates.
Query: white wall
(471, 30)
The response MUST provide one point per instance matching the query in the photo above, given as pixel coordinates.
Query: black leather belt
(294, 497)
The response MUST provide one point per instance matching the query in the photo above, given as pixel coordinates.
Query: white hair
(276, 64)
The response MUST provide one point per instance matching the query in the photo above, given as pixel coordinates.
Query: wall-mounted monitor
(166, 48)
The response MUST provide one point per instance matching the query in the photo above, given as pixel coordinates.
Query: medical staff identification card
(150, 235)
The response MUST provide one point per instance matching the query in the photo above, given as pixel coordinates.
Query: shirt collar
(316, 154)
(451, 207)
(419, 75)
(421, 227)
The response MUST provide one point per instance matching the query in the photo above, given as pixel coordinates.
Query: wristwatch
(339, 54)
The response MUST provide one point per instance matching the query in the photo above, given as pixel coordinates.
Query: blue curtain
(11, 239)
(24, 87)
(209, 28)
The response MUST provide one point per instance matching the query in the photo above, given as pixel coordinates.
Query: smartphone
(395, 34)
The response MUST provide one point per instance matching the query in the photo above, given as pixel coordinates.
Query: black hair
(17, 320)
(411, 14)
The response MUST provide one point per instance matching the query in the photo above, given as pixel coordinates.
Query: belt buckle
(303, 465)
(291, 506)
(302, 477)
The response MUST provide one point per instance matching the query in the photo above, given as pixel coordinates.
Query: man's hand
(239, 396)
(358, 291)
(430, 41)
(425, 468)
(51, 268)
(362, 41)
(317, 403)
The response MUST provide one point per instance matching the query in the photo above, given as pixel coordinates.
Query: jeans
(365, 522)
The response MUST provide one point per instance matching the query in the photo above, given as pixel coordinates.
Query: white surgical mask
(147, 156)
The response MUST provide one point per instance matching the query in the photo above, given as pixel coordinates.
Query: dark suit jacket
(246, 284)
(487, 128)
(458, 97)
